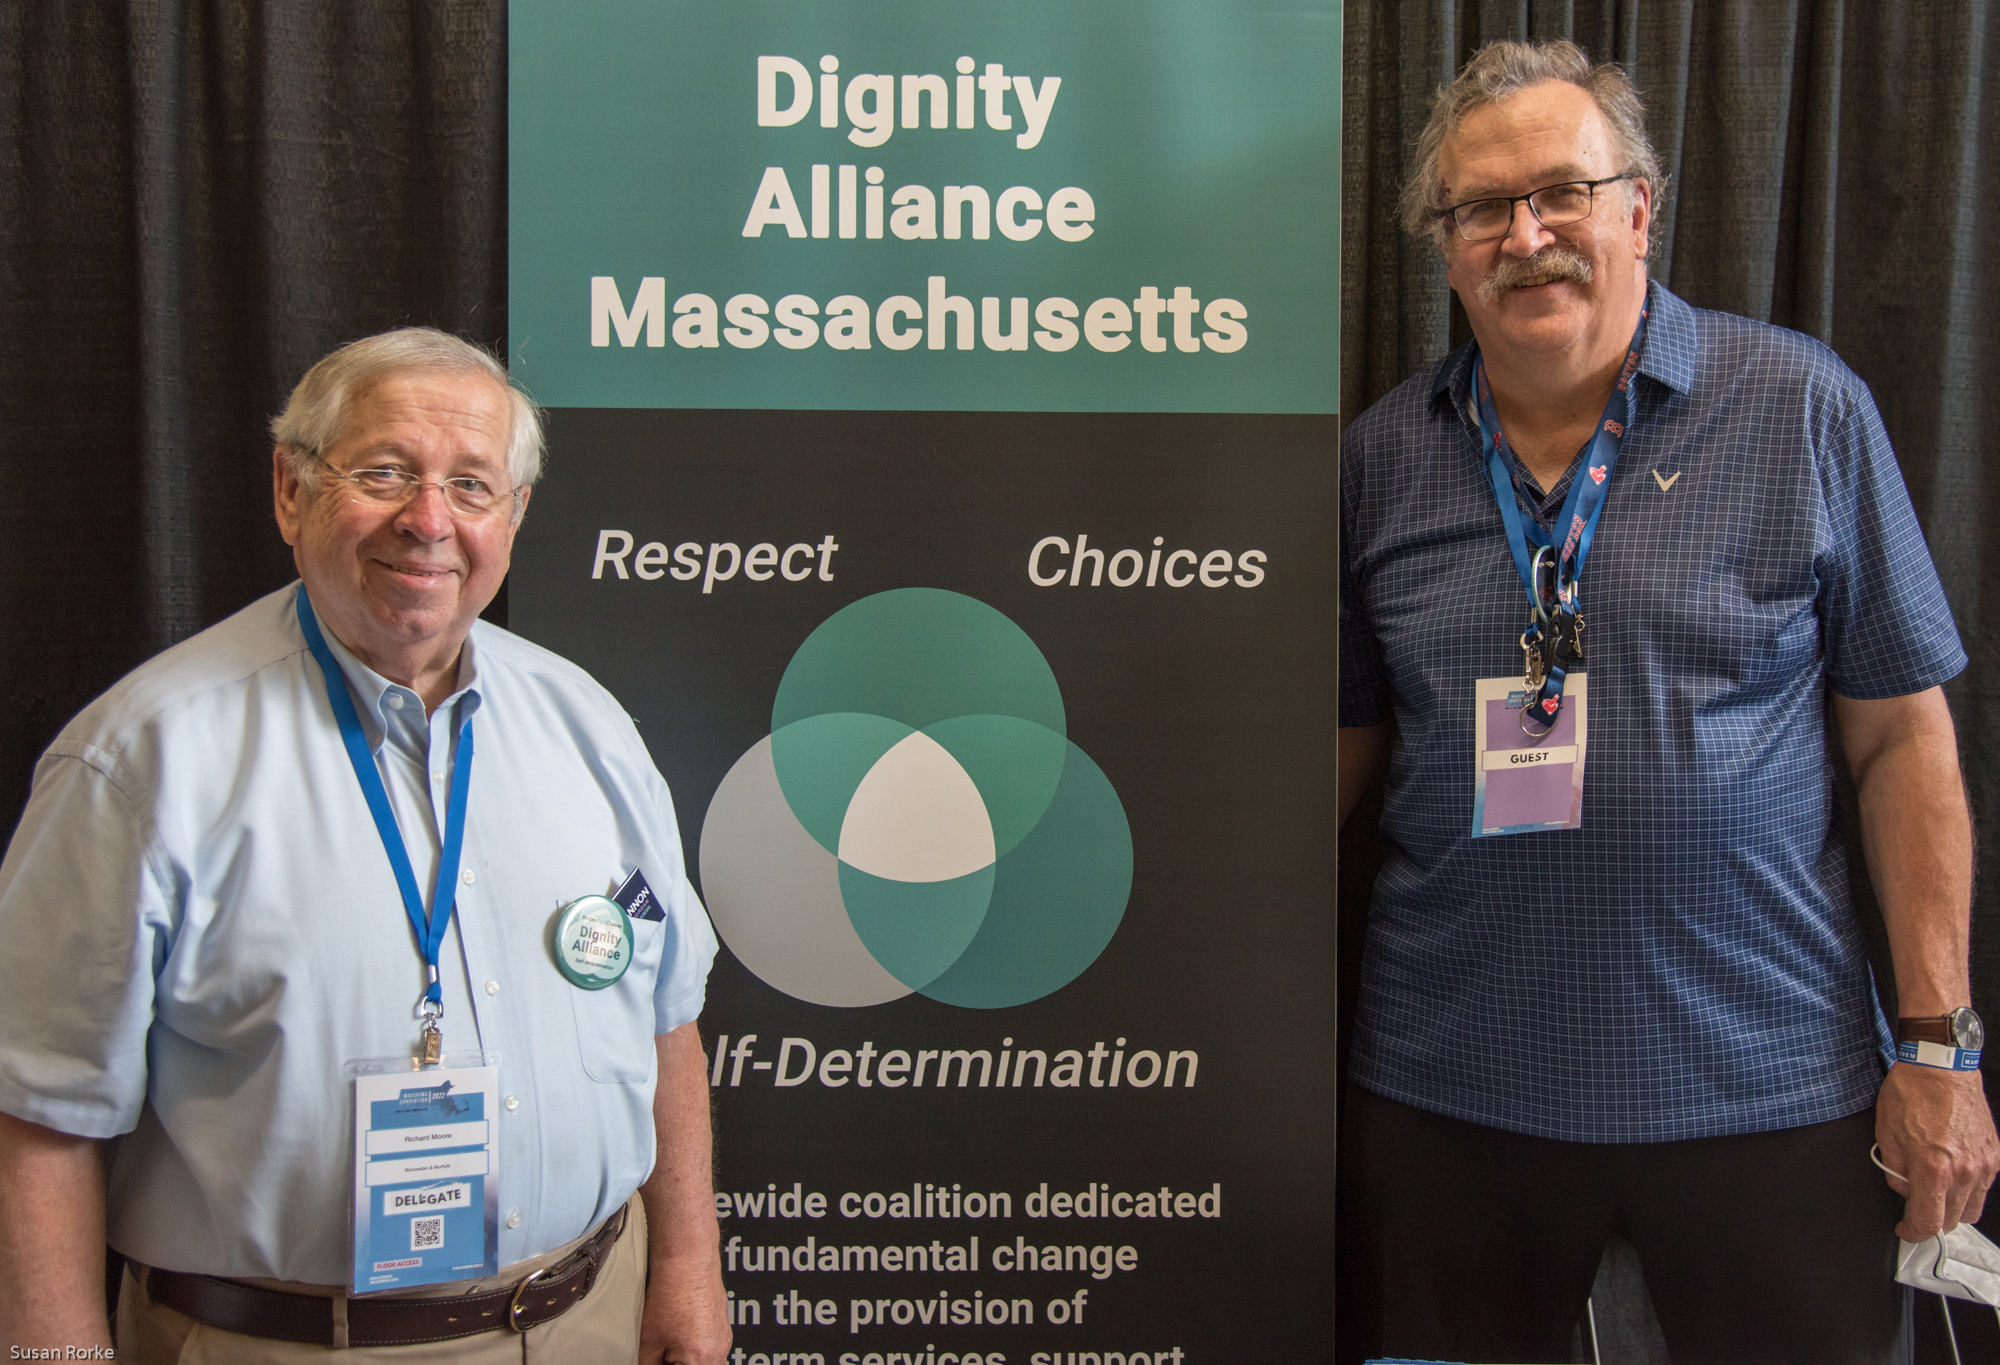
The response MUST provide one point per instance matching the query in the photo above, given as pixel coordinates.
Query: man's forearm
(1933, 1125)
(1916, 833)
(51, 1238)
(686, 1313)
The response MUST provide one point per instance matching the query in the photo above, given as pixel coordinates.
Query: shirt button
(514, 1218)
(512, 1102)
(467, 877)
(437, 779)
(395, 701)
(493, 988)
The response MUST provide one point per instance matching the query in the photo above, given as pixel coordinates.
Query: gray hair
(317, 410)
(1502, 70)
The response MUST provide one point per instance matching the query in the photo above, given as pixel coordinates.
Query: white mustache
(1550, 263)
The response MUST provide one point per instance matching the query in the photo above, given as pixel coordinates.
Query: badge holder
(1526, 782)
(426, 1199)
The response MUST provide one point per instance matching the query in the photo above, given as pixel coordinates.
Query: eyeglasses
(391, 487)
(1481, 220)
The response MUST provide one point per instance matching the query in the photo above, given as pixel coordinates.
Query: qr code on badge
(427, 1234)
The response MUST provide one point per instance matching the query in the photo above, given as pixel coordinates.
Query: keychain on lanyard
(429, 927)
(1553, 642)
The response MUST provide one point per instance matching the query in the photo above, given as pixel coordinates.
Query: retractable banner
(942, 472)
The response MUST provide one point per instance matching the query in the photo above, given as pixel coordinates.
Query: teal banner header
(1118, 206)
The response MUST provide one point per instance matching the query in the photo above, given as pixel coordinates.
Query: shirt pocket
(614, 1026)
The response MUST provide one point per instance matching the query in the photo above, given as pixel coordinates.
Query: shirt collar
(1671, 345)
(372, 693)
(1669, 357)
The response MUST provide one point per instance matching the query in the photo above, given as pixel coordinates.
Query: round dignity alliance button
(593, 942)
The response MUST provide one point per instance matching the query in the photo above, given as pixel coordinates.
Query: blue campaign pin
(638, 898)
(593, 942)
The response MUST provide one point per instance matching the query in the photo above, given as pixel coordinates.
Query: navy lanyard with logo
(1553, 641)
(430, 926)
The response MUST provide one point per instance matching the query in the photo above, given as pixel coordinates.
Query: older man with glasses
(1618, 578)
(343, 1040)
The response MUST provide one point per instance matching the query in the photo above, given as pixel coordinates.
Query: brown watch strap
(1936, 1029)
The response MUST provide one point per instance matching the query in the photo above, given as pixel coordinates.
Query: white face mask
(1960, 1263)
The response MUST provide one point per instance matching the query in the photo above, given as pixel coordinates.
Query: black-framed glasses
(1481, 220)
(392, 487)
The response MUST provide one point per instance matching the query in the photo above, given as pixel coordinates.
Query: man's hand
(687, 1310)
(1934, 1127)
(687, 1314)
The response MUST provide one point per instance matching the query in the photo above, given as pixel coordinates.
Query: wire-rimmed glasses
(392, 487)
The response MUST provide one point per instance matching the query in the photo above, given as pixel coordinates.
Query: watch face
(1967, 1030)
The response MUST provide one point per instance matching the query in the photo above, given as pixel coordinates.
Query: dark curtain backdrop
(198, 200)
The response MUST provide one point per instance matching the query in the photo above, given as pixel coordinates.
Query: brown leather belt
(541, 1297)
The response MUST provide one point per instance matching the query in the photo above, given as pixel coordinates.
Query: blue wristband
(1939, 1055)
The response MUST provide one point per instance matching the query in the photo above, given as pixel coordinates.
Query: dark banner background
(1206, 709)
(198, 201)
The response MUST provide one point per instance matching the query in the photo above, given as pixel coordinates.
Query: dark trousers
(1462, 1242)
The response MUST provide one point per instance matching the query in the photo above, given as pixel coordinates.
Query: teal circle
(919, 656)
(918, 659)
(594, 942)
(1057, 899)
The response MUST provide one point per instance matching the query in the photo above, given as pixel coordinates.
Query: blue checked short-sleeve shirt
(1688, 963)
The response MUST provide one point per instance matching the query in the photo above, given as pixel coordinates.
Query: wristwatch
(1951, 1041)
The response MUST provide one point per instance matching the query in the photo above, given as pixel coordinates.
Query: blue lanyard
(1550, 575)
(429, 927)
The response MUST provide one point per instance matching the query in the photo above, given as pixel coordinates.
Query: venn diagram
(917, 820)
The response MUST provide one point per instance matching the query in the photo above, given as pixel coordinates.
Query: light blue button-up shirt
(199, 929)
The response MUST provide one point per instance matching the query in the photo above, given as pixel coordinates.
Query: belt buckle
(514, 1306)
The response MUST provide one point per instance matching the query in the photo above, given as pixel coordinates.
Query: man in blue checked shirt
(1616, 579)
(263, 873)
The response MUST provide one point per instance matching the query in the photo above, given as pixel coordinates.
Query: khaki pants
(604, 1327)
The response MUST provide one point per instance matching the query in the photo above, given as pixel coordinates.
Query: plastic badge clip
(431, 1012)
